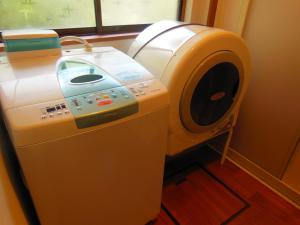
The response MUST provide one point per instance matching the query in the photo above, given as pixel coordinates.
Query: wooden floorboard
(201, 199)
(267, 207)
(163, 219)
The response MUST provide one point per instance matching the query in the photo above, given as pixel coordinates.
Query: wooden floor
(217, 195)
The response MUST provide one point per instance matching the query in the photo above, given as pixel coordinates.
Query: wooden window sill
(97, 38)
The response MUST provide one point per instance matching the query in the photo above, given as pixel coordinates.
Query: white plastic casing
(172, 58)
(75, 175)
(29, 43)
(25, 93)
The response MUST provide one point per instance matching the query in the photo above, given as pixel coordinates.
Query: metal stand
(225, 150)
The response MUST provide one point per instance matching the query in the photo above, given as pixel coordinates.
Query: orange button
(105, 102)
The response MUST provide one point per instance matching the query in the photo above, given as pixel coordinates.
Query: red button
(105, 102)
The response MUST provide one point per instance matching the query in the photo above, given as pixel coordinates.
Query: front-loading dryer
(90, 133)
(206, 71)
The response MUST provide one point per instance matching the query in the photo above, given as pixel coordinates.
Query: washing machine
(206, 71)
(90, 132)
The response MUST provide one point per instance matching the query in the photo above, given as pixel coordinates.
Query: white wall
(231, 15)
(269, 122)
(197, 11)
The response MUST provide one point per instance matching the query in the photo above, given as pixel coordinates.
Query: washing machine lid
(33, 81)
(77, 76)
(119, 65)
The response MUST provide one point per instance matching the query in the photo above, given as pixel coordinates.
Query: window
(16, 14)
(86, 16)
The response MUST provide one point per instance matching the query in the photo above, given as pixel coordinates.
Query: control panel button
(43, 117)
(105, 96)
(105, 102)
(43, 111)
(92, 70)
(50, 109)
(144, 85)
(123, 92)
(66, 111)
(133, 90)
(75, 102)
(59, 113)
(114, 95)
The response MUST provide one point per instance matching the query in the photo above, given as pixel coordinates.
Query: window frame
(108, 30)
(96, 34)
(118, 29)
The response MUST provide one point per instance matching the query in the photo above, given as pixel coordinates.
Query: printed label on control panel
(54, 110)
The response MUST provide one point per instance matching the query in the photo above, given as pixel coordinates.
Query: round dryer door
(211, 92)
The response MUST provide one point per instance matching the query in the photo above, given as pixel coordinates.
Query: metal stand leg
(225, 150)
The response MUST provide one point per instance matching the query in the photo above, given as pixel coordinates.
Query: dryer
(90, 132)
(206, 71)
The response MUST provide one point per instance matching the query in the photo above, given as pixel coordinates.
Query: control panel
(101, 98)
(140, 89)
(100, 107)
(93, 97)
(54, 110)
(144, 88)
(94, 108)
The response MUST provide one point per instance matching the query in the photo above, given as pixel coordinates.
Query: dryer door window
(214, 94)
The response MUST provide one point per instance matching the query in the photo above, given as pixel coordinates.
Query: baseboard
(264, 177)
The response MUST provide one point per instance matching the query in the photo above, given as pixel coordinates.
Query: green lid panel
(20, 45)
